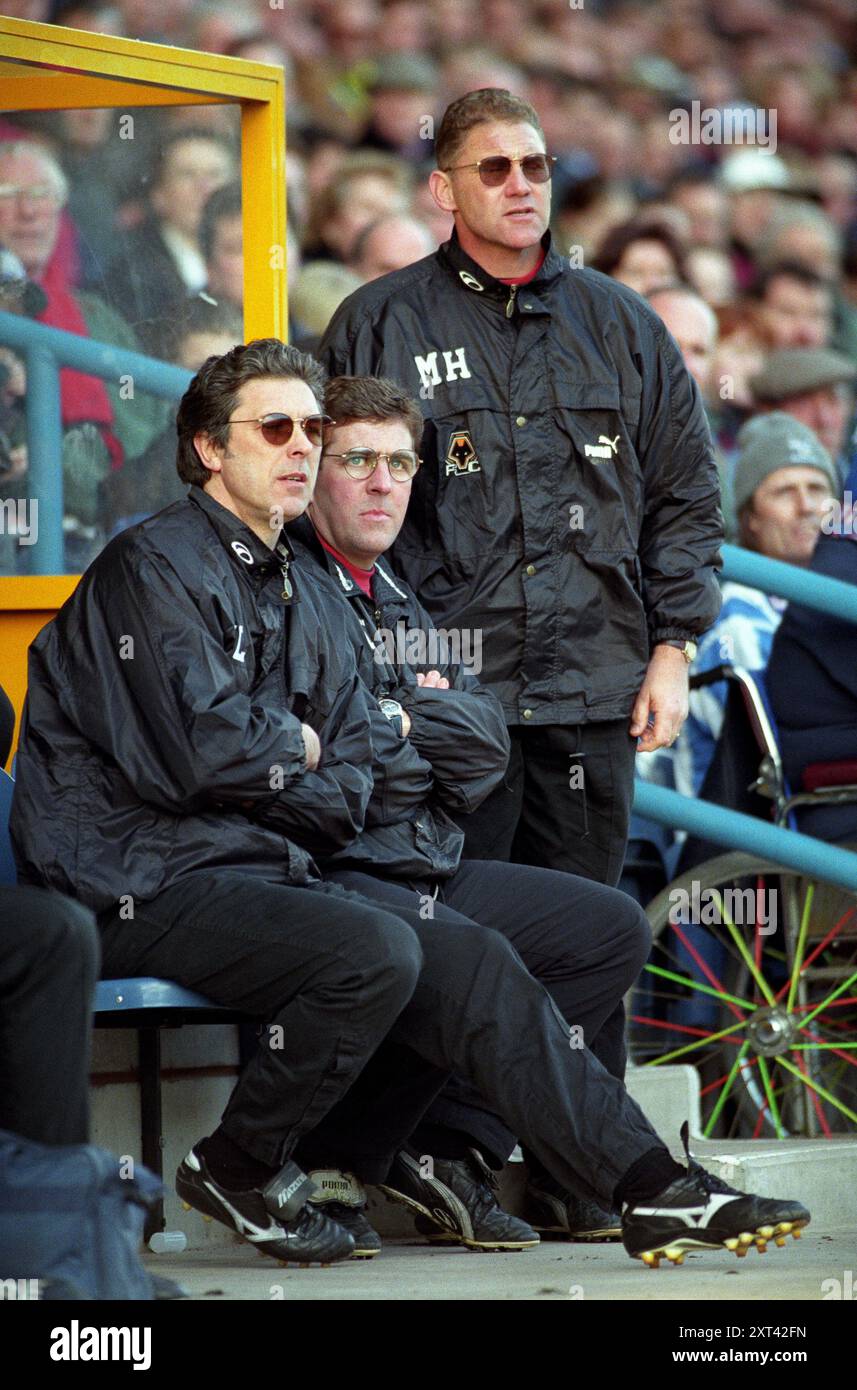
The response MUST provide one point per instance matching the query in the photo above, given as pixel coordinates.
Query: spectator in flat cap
(817, 386)
(782, 490)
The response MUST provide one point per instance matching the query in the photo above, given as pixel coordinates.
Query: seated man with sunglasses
(444, 751)
(195, 733)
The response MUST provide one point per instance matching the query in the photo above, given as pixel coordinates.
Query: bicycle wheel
(753, 979)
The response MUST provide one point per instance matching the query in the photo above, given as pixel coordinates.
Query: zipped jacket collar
(471, 276)
(385, 587)
(243, 545)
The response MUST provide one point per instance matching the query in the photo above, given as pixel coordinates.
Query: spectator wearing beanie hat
(784, 480)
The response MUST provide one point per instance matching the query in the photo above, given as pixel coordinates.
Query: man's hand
(432, 680)
(663, 695)
(312, 746)
(429, 680)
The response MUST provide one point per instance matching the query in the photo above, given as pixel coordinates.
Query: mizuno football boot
(276, 1218)
(700, 1211)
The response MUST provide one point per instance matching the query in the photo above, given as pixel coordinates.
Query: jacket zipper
(510, 306)
(287, 583)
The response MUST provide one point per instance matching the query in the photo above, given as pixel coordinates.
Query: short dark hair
(615, 243)
(222, 203)
(210, 399)
(476, 108)
(793, 270)
(201, 314)
(352, 398)
(169, 141)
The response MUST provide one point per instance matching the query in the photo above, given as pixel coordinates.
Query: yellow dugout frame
(45, 67)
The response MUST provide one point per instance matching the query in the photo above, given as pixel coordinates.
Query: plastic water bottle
(168, 1242)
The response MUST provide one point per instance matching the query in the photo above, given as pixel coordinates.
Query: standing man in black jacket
(567, 508)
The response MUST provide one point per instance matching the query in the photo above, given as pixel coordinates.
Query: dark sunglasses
(278, 429)
(361, 463)
(495, 169)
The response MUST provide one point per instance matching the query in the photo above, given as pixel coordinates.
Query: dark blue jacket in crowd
(812, 681)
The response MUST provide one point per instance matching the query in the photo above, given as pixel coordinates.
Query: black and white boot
(454, 1202)
(276, 1218)
(700, 1211)
(555, 1212)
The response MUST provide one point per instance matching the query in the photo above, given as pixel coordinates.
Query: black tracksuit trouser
(564, 802)
(357, 999)
(585, 943)
(48, 969)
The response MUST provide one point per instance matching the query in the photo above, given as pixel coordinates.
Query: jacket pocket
(604, 483)
(620, 629)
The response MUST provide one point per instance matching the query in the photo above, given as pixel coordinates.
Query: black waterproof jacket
(457, 749)
(568, 505)
(161, 734)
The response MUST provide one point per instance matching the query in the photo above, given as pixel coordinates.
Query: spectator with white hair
(389, 243)
(102, 429)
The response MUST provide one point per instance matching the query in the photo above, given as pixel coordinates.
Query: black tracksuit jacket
(161, 733)
(568, 506)
(457, 749)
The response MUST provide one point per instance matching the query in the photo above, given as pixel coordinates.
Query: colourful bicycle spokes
(791, 1026)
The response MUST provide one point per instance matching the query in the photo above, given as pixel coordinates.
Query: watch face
(389, 707)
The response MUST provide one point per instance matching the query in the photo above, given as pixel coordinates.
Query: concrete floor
(554, 1271)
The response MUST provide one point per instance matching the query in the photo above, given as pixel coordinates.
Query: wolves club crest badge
(461, 455)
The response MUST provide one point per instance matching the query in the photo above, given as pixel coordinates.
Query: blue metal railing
(47, 349)
(737, 831)
(788, 581)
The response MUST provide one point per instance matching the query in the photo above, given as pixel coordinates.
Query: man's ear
(210, 453)
(751, 522)
(440, 187)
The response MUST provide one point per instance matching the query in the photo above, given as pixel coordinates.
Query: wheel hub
(771, 1031)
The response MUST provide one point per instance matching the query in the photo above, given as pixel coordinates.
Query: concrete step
(667, 1096)
(821, 1173)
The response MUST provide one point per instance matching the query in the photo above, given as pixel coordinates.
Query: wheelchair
(753, 971)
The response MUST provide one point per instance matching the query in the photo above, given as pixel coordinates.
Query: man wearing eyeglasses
(440, 751)
(567, 507)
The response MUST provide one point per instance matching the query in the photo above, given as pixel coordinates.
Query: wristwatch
(394, 712)
(687, 649)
